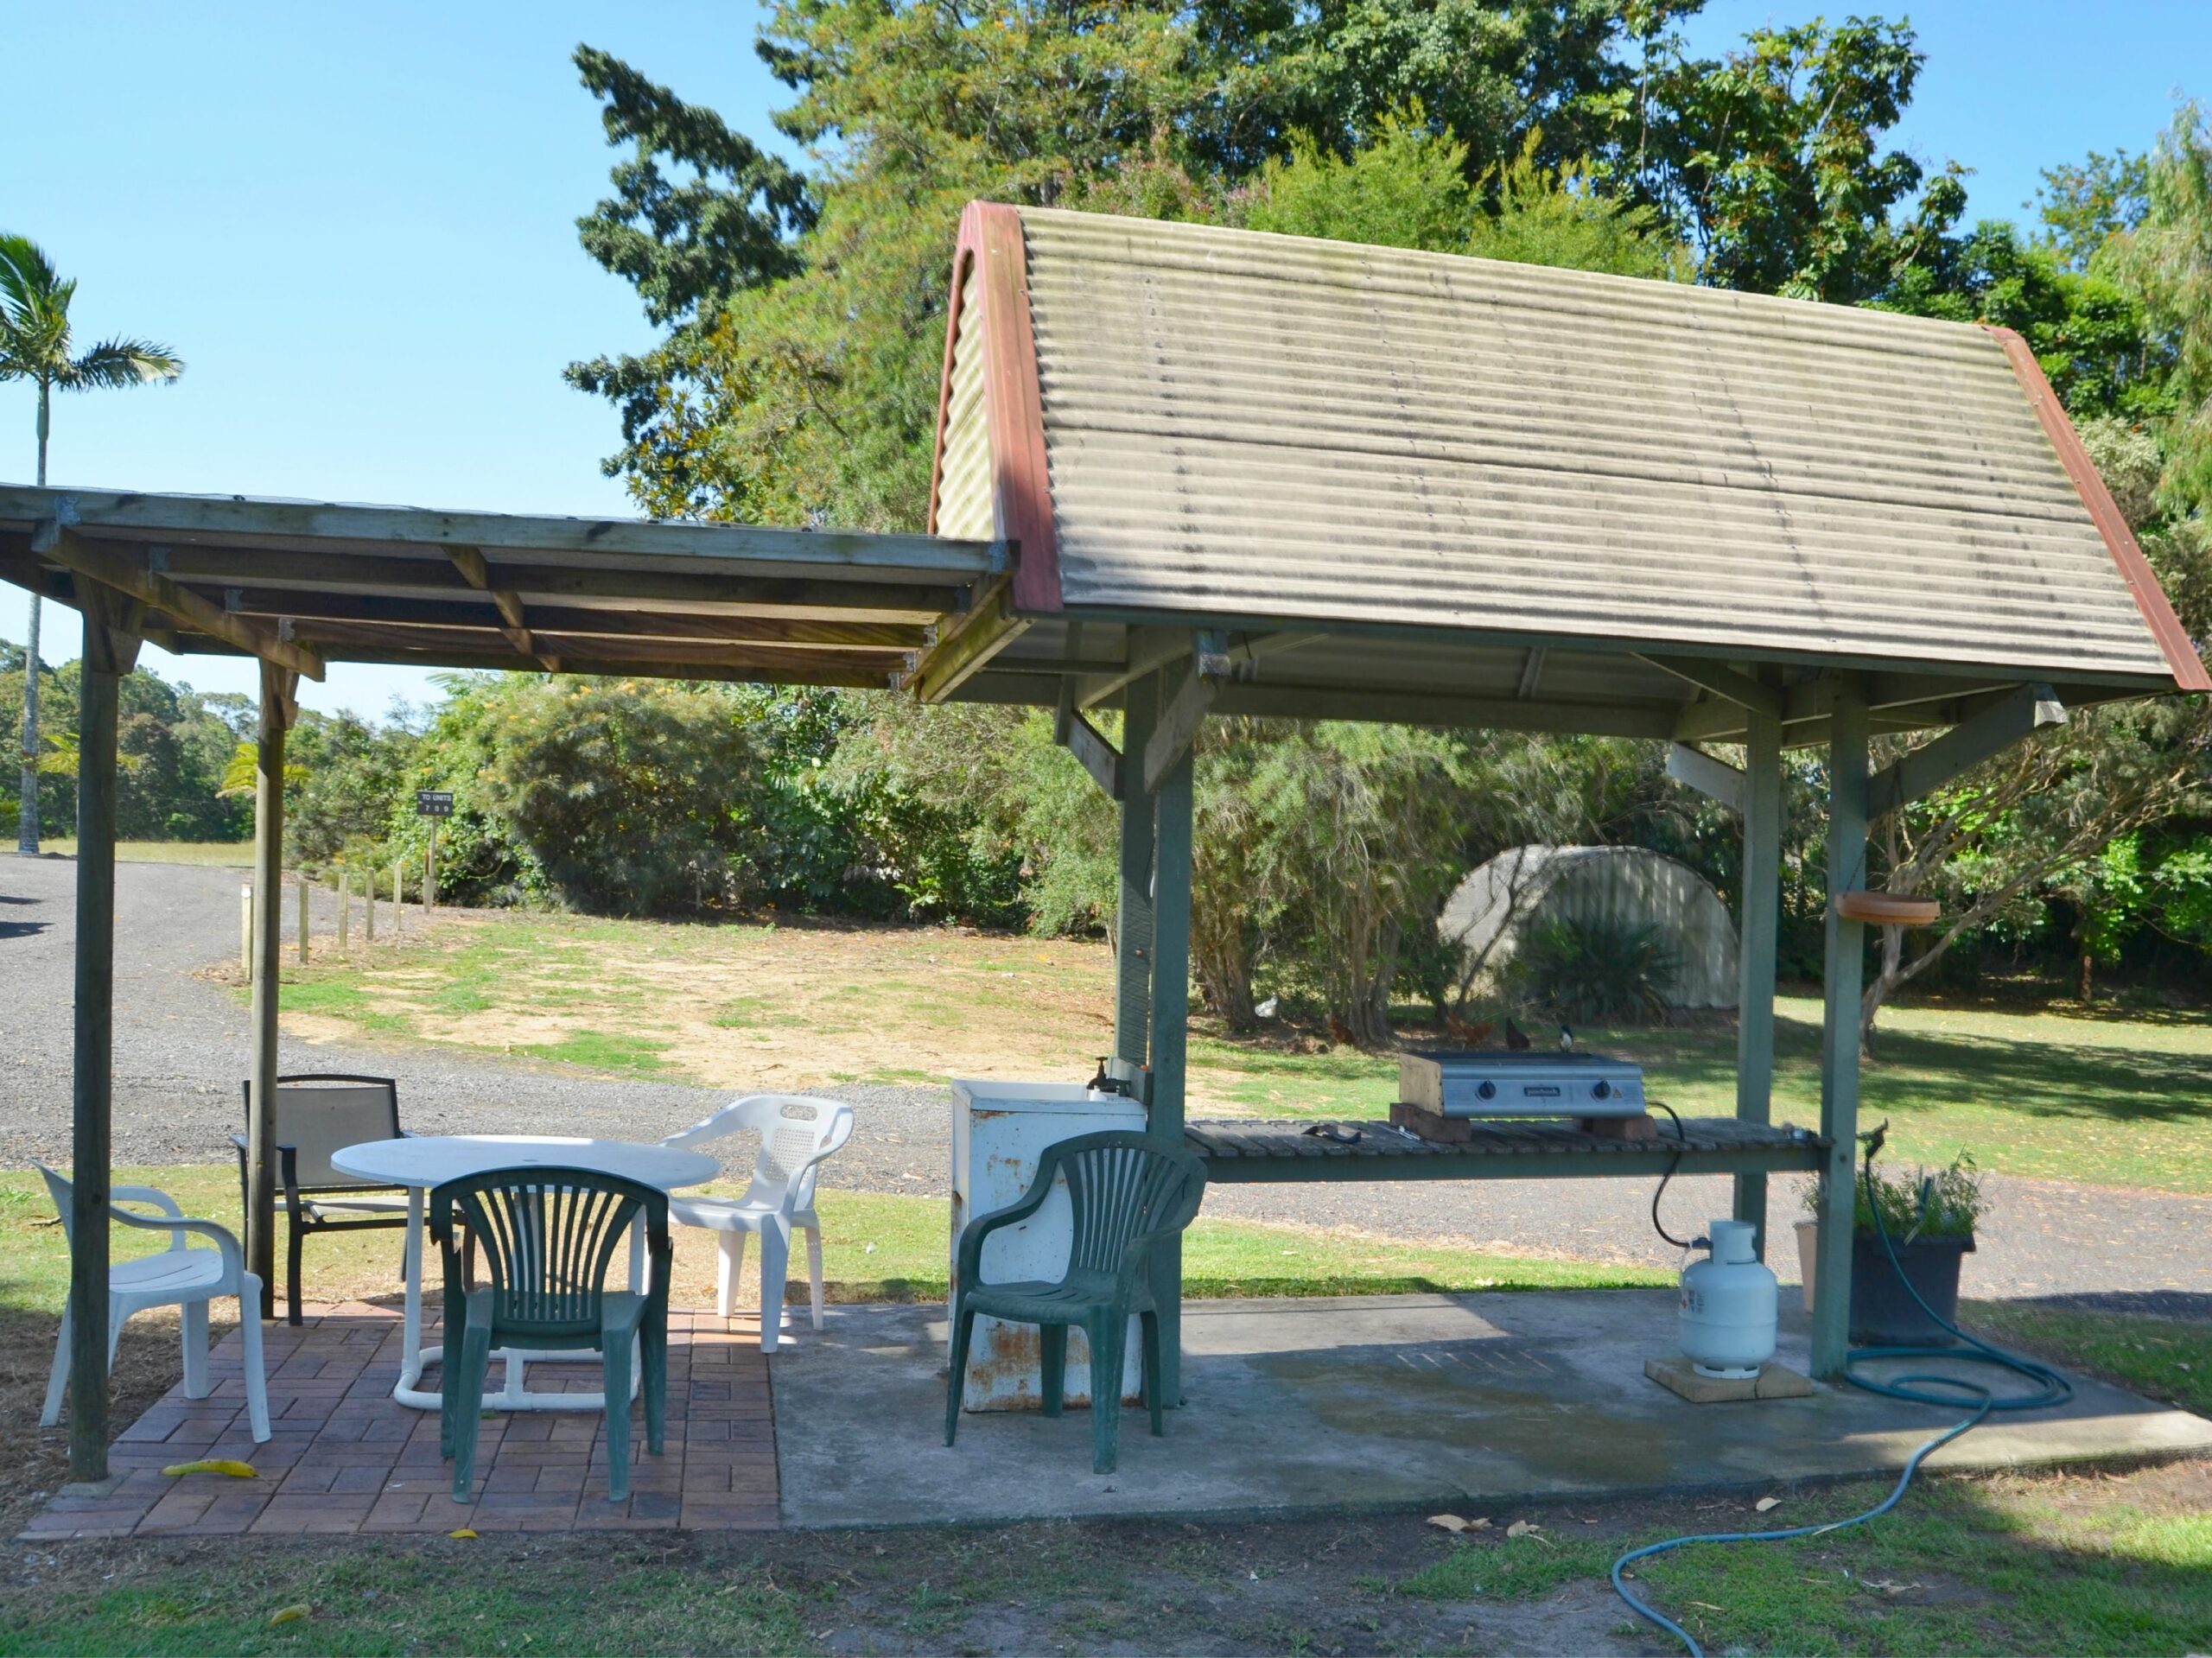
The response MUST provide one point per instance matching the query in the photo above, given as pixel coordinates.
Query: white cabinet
(999, 1132)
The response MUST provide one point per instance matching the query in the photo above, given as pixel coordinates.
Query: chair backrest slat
(546, 1238)
(1120, 1187)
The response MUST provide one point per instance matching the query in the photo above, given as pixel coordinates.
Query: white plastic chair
(179, 1276)
(798, 1132)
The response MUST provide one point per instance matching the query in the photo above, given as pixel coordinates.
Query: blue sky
(356, 223)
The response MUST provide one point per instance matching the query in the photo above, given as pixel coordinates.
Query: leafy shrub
(1920, 1203)
(629, 797)
(1594, 972)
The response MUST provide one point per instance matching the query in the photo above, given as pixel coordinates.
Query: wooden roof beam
(425, 578)
(799, 668)
(469, 561)
(60, 544)
(800, 633)
(298, 525)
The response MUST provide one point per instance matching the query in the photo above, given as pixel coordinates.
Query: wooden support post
(1762, 906)
(430, 871)
(302, 929)
(111, 647)
(369, 907)
(278, 688)
(1133, 927)
(1842, 970)
(399, 905)
(345, 907)
(1170, 995)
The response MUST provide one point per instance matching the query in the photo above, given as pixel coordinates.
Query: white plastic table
(421, 1161)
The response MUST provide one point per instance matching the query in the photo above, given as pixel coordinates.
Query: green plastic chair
(1128, 1194)
(548, 1237)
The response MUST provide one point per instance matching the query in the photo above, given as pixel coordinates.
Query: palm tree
(35, 346)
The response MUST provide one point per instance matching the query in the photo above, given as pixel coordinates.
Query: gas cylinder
(1728, 1301)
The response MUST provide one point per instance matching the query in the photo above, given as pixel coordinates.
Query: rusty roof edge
(2135, 570)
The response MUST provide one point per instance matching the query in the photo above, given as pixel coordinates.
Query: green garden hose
(1920, 1387)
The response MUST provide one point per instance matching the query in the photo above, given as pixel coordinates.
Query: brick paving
(344, 1458)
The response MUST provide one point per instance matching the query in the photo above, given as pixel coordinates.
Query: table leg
(412, 1353)
(410, 1324)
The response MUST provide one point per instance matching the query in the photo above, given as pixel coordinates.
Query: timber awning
(1408, 485)
(301, 583)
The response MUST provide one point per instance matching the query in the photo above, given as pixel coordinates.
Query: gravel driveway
(181, 1044)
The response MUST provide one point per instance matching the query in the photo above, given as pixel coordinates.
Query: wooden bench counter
(1254, 1150)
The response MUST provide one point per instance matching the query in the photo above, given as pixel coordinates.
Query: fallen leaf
(465, 1532)
(1767, 1502)
(1522, 1528)
(290, 1614)
(1888, 1586)
(1455, 1523)
(1707, 1605)
(229, 1465)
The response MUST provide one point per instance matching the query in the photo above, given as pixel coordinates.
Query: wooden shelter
(1182, 471)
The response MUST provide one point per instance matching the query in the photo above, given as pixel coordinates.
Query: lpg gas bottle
(1728, 1301)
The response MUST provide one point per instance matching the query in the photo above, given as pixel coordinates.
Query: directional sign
(434, 803)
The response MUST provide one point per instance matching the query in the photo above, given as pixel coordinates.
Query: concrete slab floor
(1371, 1402)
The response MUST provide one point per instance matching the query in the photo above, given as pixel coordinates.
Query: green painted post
(1133, 917)
(1762, 906)
(108, 653)
(1842, 970)
(1171, 1013)
(277, 687)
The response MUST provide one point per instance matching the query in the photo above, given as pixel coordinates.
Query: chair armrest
(709, 1127)
(973, 1235)
(287, 1175)
(160, 1200)
(177, 1226)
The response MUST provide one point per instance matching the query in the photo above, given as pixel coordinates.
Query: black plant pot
(1882, 1313)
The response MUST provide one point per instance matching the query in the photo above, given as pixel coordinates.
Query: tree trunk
(1887, 978)
(27, 826)
(1222, 968)
(1369, 1016)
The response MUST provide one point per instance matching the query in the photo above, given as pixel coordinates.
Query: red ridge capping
(1013, 410)
(2134, 569)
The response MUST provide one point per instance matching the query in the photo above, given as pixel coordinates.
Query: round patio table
(421, 1161)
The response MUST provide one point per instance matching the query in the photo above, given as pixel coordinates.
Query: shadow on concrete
(1373, 1402)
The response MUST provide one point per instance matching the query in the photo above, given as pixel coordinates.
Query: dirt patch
(792, 1005)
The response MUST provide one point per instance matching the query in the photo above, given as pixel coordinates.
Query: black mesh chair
(315, 1116)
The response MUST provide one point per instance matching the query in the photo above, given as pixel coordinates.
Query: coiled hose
(1920, 1387)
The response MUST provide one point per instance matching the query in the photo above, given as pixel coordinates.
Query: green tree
(35, 346)
(2167, 259)
(1770, 160)
(2087, 330)
(623, 794)
(688, 244)
(2084, 204)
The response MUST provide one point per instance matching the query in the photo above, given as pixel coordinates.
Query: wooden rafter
(62, 545)
(469, 561)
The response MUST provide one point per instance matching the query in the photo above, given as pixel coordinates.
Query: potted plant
(1930, 1215)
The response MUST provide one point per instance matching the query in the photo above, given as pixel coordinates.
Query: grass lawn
(226, 854)
(2088, 1096)
(2053, 1563)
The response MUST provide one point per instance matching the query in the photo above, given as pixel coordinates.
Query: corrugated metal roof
(1275, 427)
